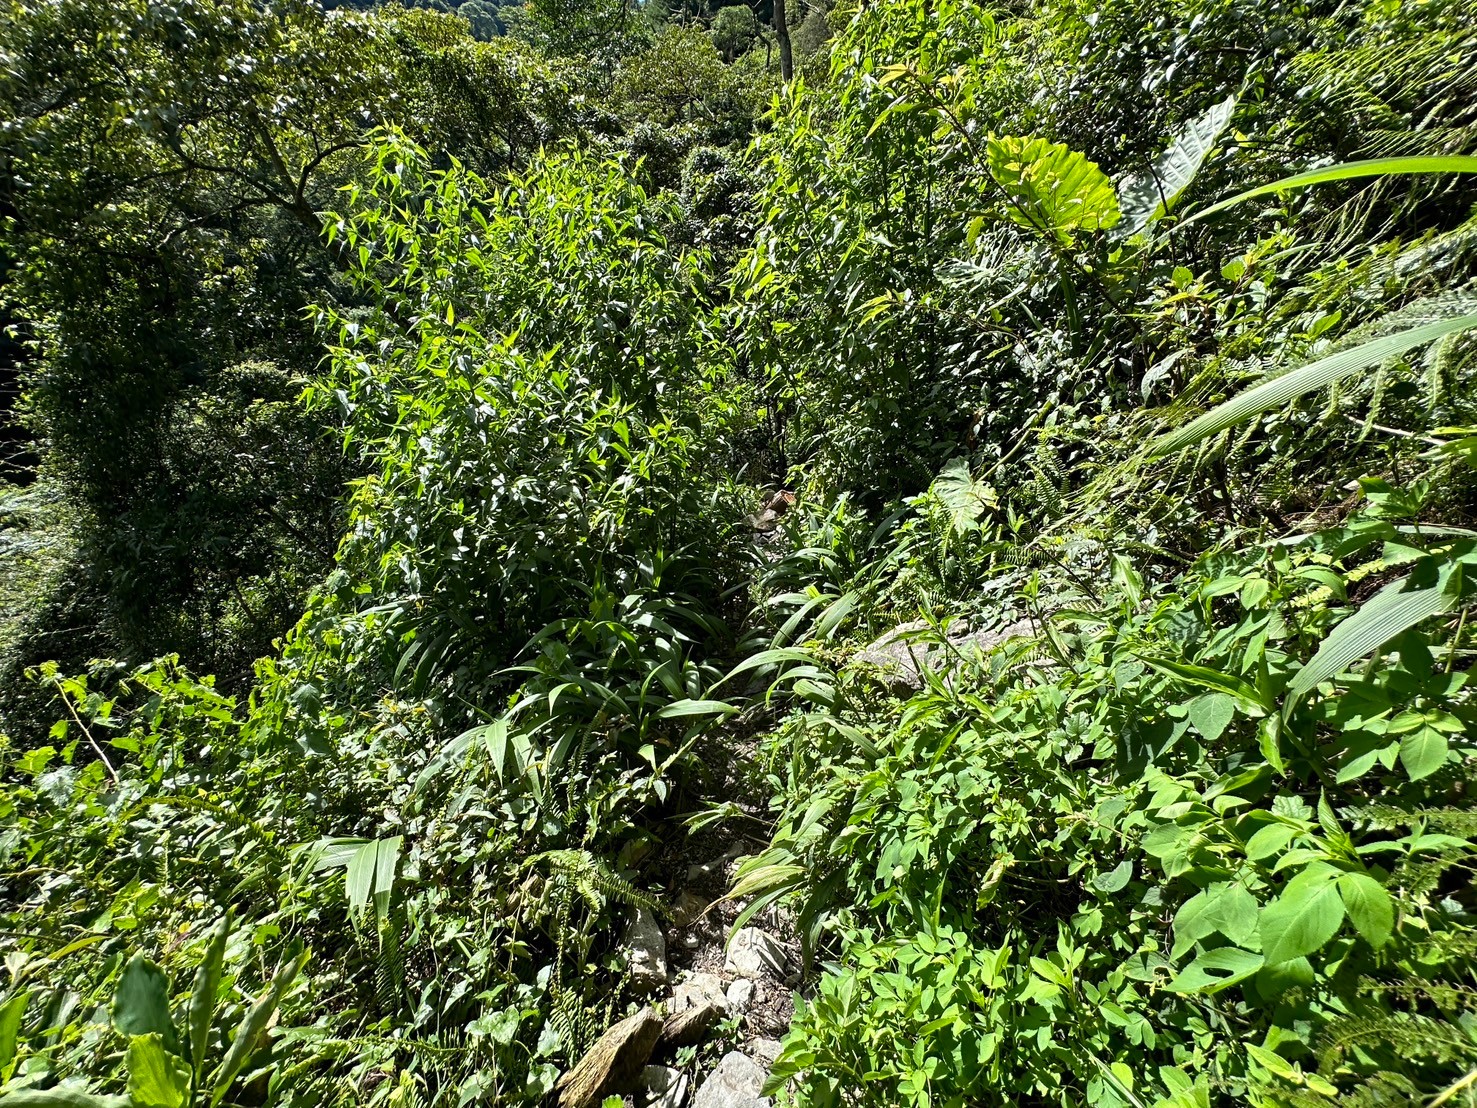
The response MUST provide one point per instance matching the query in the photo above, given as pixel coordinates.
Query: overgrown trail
(894, 554)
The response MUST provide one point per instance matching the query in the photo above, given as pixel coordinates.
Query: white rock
(740, 995)
(754, 952)
(697, 990)
(765, 1051)
(734, 1084)
(665, 1087)
(646, 952)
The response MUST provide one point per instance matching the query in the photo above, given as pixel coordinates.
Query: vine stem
(72, 711)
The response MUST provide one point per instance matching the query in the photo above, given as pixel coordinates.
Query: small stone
(689, 908)
(740, 995)
(691, 942)
(754, 952)
(664, 1086)
(646, 952)
(697, 990)
(734, 1084)
(688, 1026)
(765, 1051)
(615, 1061)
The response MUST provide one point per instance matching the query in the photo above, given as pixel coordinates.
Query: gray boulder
(734, 1084)
(899, 664)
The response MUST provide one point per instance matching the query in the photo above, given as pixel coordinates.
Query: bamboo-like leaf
(1281, 390)
(1213, 679)
(679, 709)
(244, 1043)
(61, 1096)
(1394, 609)
(1373, 167)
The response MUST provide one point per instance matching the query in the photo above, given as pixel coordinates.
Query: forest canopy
(903, 553)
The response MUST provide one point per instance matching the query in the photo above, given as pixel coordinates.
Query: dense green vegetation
(399, 586)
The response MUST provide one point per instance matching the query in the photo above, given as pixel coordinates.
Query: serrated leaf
(1423, 752)
(1303, 918)
(1225, 908)
(1212, 714)
(1369, 907)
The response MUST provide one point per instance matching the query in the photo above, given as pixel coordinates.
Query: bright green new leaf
(1052, 188)
(1369, 907)
(11, 1013)
(157, 1078)
(965, 498)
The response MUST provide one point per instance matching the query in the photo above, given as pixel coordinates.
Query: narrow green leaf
(681, 708)
(11, 1013)
(1289, 386)
(244, 1042)
(203, 995)
(387, 858)
(1373, 167)
(1390, 612)
(61, 1096)
(1242, 691)
(359, 877)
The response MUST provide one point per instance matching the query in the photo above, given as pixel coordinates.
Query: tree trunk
(782, 32)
